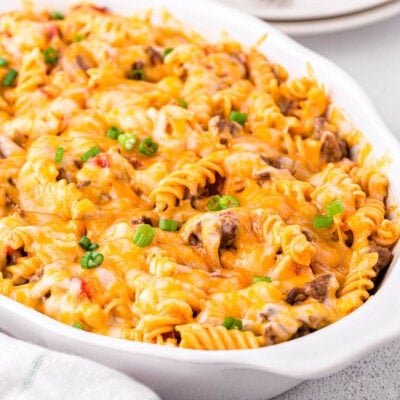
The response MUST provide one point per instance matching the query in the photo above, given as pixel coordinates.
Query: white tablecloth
(372, 56)
(29, 372)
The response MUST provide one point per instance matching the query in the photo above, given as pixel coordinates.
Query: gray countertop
(372, 56)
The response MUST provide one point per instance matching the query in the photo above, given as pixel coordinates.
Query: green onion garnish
(238, 117)
(137, 74)
(78, 38)
(213, 203)
(50, 55)
(91, 259)
(59, 154)
(232, 323)
(127, 140)
(85, 242)
(148, 147)
(167, 51)
(3, 62)
(56, 15)
(182, 103)
(90, 153)
(322, 221)
(78, 325)
(113, 132)
(144, 235)
(261, 279)
(335, 207)
(168, 225)
(93, 246)
(217, 203)
(228, 202)
(10, 77)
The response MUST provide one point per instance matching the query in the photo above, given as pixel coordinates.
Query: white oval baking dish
(180, 374)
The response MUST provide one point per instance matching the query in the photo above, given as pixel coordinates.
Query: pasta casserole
(160, 188)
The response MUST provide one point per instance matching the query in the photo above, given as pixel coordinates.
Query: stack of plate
(306, 17)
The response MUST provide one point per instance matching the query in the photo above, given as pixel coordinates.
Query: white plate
(341, 23)
(302, 9)
(181, 374)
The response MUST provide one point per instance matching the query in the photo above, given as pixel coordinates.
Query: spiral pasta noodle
(202, 337)
(190, 178)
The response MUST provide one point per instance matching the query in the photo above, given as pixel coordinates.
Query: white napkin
(29, 372)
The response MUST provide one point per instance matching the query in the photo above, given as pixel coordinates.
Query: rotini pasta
(160, 188)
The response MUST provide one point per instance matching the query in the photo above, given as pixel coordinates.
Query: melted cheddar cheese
(285, 159)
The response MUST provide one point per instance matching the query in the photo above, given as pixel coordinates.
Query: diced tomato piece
(92, 6)
(98, 8)
(53, 31)
(43, 90)
(101, 160)
(85, 288)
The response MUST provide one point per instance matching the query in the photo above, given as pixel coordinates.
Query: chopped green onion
(91, 259)
(322, 221)
(137, 74)
(85, 242)
(167, 51)
(238, 117)
(168, 225)
(261, 279)
(232, 323)
(3, 62)
(78, 38)
(90, 153)
(50, 55)
(85, 260)
(10, 77)
(56, 15)
(228, 202)
(78, 325)
(182, 103)
(127, 140)
(148, 147)
(59, 154)
(228, 321)
(335, 207)
(144, 235)
(217, 202)
(237, 324)
(213, 203)
(97, 259)
(113, 132)
(93, 246)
